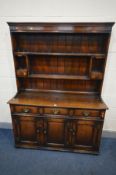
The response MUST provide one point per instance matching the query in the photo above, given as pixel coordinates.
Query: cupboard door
(24, 129)
(55, 135)
(86, 134)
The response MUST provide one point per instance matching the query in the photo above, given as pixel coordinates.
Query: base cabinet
(57, 133)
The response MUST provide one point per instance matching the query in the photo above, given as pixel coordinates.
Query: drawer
(86, 113)
(24, 109)
(56, 111)
(22, 72)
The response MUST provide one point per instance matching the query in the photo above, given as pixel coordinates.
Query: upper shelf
(61, 27)
(96, 55)
(66, 77)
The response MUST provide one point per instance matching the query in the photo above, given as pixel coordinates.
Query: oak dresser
(59, 73)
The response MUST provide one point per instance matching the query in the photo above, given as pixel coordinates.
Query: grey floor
(37, 162)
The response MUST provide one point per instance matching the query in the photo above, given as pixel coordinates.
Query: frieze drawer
(56, 111)
(24, 109)
(88, 113)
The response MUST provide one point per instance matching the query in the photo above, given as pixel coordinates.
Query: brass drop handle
(26, 110)
(86, 114)
(56, 111)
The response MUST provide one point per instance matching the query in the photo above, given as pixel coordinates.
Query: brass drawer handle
(86, 114)
(26, 110)
(55, 111)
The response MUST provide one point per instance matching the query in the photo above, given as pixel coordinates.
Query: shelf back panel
(60, 85)
(60, 42)
(59, 65)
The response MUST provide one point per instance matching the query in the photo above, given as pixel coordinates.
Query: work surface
(58, 100)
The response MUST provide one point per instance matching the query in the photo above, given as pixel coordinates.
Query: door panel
(24, 128)
(27, 129)
(86, 134)
(55, 131)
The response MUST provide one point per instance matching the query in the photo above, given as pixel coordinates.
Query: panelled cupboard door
(86, 134)
(55, 135)
(24, 129)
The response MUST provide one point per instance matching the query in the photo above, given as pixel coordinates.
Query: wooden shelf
(94, 76)
(99, 56)
(47, 76)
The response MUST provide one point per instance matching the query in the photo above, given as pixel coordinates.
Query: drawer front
(86, 113)
(22, 72)
(56, 111)
(24, 109)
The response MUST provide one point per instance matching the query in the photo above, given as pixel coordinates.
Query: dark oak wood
(61, 27)
(59, 72)
(53, 99)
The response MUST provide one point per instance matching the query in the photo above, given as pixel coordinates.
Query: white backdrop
(55, 11)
